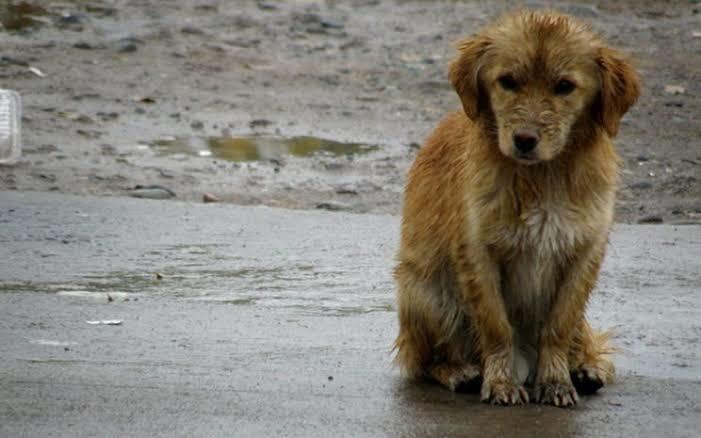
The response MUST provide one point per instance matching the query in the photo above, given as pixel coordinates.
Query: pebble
(191, 30)
(332, 206)
(197, 125)
(674, 103)
(128, 48)
(259, 122)
(151, 192)
(209, 198)
(267, 6)
(651, 219)
(83, 45)
(642, 185)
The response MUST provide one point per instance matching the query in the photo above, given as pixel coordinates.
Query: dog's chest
(533, 254)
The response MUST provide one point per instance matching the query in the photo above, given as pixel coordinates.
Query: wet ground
(252, 321)
(207, 96)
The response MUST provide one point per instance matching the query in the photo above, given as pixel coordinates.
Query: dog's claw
(556, 393)
(504, 394)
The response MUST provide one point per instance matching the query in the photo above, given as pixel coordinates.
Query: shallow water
(254, 148)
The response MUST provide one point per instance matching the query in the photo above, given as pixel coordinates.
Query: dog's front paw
(561, 394)
(503, 393)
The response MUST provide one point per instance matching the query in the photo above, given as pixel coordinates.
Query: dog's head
(540, 80)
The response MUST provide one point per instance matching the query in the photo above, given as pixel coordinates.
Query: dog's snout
(525, 140)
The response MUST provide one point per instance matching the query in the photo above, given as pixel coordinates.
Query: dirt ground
(125, 94)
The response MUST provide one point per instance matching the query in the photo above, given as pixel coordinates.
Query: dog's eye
(508, 82)
(564, 86)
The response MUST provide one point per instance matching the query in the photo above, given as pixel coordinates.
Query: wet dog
(507, 213)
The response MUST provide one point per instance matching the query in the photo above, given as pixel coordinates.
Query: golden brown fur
(500, 249)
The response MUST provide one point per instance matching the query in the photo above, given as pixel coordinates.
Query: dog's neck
(582, 171)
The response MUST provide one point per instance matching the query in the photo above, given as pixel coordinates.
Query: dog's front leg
(480, 282)
(553, 383)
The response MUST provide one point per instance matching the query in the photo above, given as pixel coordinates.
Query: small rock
(696, 34)
(332, 206)
(89, 133)
(197, 125)
(165, 173)
(330, 378)
(259, 123)
(674, 103)
(148, 100)
(131, 40)
(651, 219)
(128, 48)
(267, 6)
(151, 192)
(68, 19)
(208, 198)
(83, 46)
(674, 89)
(346, 191)
(191, 30)
(107, 116)
(334, 166)
(642, 185)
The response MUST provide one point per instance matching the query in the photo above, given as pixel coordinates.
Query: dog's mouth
(526, 158)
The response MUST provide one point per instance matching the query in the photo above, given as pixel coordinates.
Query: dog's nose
(525, 140)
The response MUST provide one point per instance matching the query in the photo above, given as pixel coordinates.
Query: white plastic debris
(96, 296)
(106, 322)
(53, 343)
(10, 126)
(674, 89)
(37, 72)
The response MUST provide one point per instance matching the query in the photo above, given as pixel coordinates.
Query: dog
(507, 213)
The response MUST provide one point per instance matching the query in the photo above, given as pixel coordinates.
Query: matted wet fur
(507, 213)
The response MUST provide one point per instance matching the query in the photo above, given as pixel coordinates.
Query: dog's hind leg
(433, 340)
(466, 377)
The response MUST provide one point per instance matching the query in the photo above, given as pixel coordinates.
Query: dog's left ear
(620, 88)
(464, 74)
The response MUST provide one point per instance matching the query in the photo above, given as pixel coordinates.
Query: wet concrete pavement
(252, 321)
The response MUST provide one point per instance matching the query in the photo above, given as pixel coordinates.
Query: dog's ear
(620, 88)
(464, 74)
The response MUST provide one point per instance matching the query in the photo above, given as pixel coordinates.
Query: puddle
(254, 148)
(15, 16)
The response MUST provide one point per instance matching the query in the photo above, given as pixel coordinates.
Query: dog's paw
(462, 378)
(503, 393)
(561, 394)
(590, 378)
(469, 379)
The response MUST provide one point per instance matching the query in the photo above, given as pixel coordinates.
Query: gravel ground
(125, 94)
